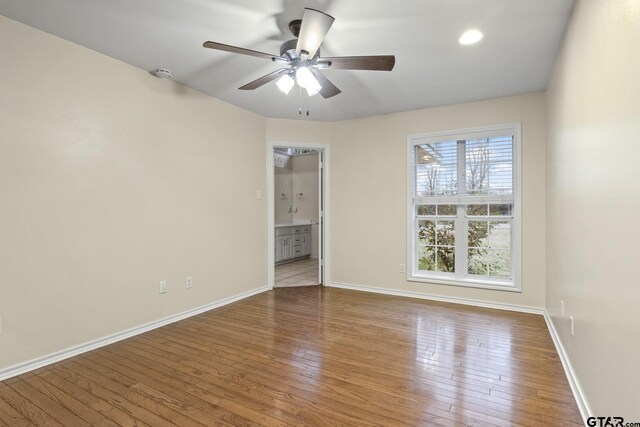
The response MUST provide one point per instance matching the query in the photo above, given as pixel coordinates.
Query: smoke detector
(163, 73)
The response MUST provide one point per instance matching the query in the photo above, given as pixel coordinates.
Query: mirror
(283, 186)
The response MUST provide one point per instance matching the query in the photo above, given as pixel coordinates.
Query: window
(464, 226)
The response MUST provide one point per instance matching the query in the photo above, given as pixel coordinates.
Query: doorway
(297, 214)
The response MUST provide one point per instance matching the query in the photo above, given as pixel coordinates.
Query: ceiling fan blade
(315, 25)
(376, 63)
(240, 50)
(328, 89)
(265, 79)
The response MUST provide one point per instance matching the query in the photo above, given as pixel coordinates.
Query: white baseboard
(581, 401)
(453, 300)
(31, 365)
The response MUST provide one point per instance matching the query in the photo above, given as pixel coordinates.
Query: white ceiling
(521, 38)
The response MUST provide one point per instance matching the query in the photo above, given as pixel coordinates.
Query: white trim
(31, 365)
(453, 300)
(271, 207)
(466, 133)
(581, 401)
(481, 282)
(271, 258)
(462, 198)
(412, 274)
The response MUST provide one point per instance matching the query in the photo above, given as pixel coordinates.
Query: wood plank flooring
(310, 356)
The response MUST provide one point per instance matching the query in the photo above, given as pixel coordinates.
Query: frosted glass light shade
(285, 83)
(306, 80)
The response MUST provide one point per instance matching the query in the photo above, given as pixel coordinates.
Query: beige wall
(110, 181)
(369, 194)
(298, 131)
(593, 202)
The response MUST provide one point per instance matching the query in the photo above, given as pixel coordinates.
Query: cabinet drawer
(297, 251)
(306, 230)
(297, 240)
(283, 231)
(297, 230)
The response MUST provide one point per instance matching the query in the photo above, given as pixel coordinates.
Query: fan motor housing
(294, 27)
(288, 48)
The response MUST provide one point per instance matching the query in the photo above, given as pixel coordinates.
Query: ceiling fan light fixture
(301, 58)
(285, 83)
(313, 89)
(306, 80)
(470, 37)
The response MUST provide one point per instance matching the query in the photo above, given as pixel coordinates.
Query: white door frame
(326, 226)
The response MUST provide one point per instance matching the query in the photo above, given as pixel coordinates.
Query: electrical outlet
(163, 287)
(572, 329)
(189, 282)
(562, 308)
(258, 195)
(402, 269)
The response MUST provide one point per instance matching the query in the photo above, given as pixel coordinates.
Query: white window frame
(413, 274)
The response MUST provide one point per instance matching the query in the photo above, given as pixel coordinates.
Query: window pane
(427, 232)
(476, 262)
(426, 209)
(445, 233)
(501, 265)
(446, 259)
(489, 234)
(477, 210)
(500, 210)
(489, 165)
(499, 235)
(490, 262)
(426, 258)
(447, 210)
(478, 233)
(436, 168)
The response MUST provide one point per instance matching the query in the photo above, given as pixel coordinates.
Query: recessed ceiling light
(471, 37)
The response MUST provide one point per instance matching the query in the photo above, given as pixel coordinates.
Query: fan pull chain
(299, 101)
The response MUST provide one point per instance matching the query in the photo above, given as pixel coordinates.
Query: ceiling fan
(302, 55)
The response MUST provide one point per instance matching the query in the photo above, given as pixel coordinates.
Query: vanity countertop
(293, 223)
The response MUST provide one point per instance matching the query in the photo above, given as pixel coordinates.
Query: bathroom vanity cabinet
(292, 241)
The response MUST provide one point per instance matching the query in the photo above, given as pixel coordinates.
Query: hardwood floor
(310, 356)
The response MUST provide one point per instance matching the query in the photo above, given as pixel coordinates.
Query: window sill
(467, 283)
